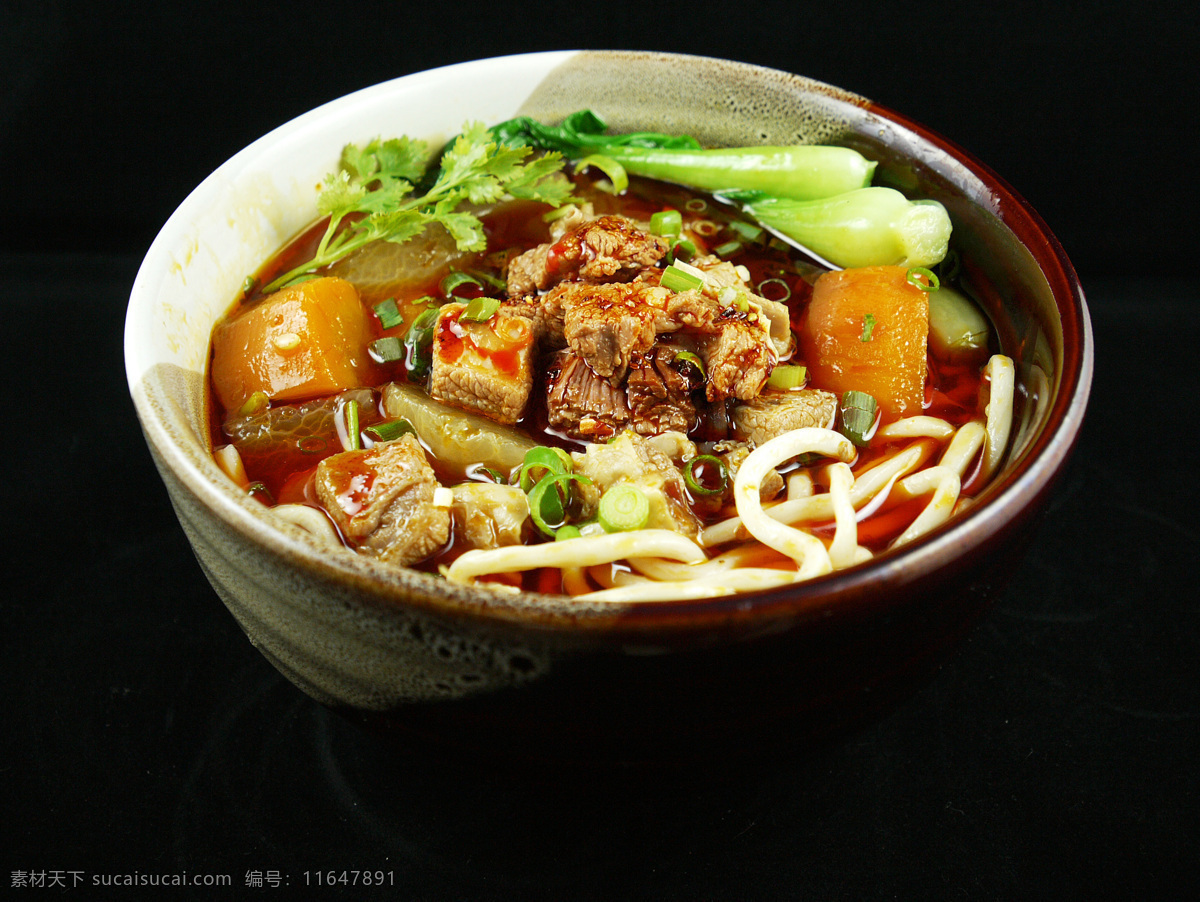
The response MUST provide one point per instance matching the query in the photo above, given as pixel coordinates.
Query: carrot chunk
(301, 342)
(867, 331)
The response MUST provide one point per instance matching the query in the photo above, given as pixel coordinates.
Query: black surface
(1054, 758)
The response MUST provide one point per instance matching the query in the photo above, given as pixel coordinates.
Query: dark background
(1055, 757)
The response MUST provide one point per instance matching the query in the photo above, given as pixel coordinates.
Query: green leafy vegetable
(864, 227)
(801, 171)
(371, 197)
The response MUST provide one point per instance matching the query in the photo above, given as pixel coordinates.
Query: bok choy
(865, 227)
(800, 171)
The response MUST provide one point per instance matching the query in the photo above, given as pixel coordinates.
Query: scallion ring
(693, 479)
(667, 223)
(623, 507)
(540, 462)
(456, 279)
(916, 273)
(480, 310)
(776, 290)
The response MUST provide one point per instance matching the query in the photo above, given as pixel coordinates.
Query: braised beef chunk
(580, 403)
(486, 367)
(381, 499)
(527, 272)
(604, 249)
(659, 395)
(655, 398)
(773, 413)
(608, 325)
(739, 358)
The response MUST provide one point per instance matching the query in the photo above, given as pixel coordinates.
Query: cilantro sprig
(371, 197)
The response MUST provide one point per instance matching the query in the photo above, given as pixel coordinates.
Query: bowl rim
(1016, 492)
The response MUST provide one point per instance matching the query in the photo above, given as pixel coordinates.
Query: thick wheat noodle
(820, 507)
(844, 547)
(963, 447)
(1002, 376)
(806, 550)
(799, 485)
(582, 552)
(734, 581)
(945, 485)
(312, 521)
(670, 571)
(916, 427)
(575, 581)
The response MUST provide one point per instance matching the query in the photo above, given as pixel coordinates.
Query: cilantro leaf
(374, 185)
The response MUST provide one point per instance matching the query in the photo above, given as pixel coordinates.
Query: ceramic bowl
(483, 672)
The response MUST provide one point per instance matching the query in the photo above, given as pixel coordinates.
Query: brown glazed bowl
(536, 676)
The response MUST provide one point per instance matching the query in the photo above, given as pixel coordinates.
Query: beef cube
(605, 249)
(659, 395)
(382, 500)
(485, 367)
(738, 356)
(580, 403)
(609, 325)
(773, 413)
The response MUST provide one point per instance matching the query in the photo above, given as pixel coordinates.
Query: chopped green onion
(728, 249)
(623, 507)
(249, 285)
(311, 444)
(542, 461)
(548, 508)
(389, 430)
(255, 404)
(418, 341)
(858, 411)
(696, 205)
(776, 290)
(698, 483)
(610, 167)
(353, 442)
(787, 377)
(682, 249)
(456, 279)
(386, 350)
(389, 314)
(685, 360)
(567, 532)
(494, 475)
(480, 310)
(676, 278)
(868, 326)
(915, 274)
(667, 223)
(705, 228)
(748, 231)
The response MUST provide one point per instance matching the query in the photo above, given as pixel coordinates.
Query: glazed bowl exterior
(539, 676)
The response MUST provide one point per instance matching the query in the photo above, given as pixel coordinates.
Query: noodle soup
(556, 413)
